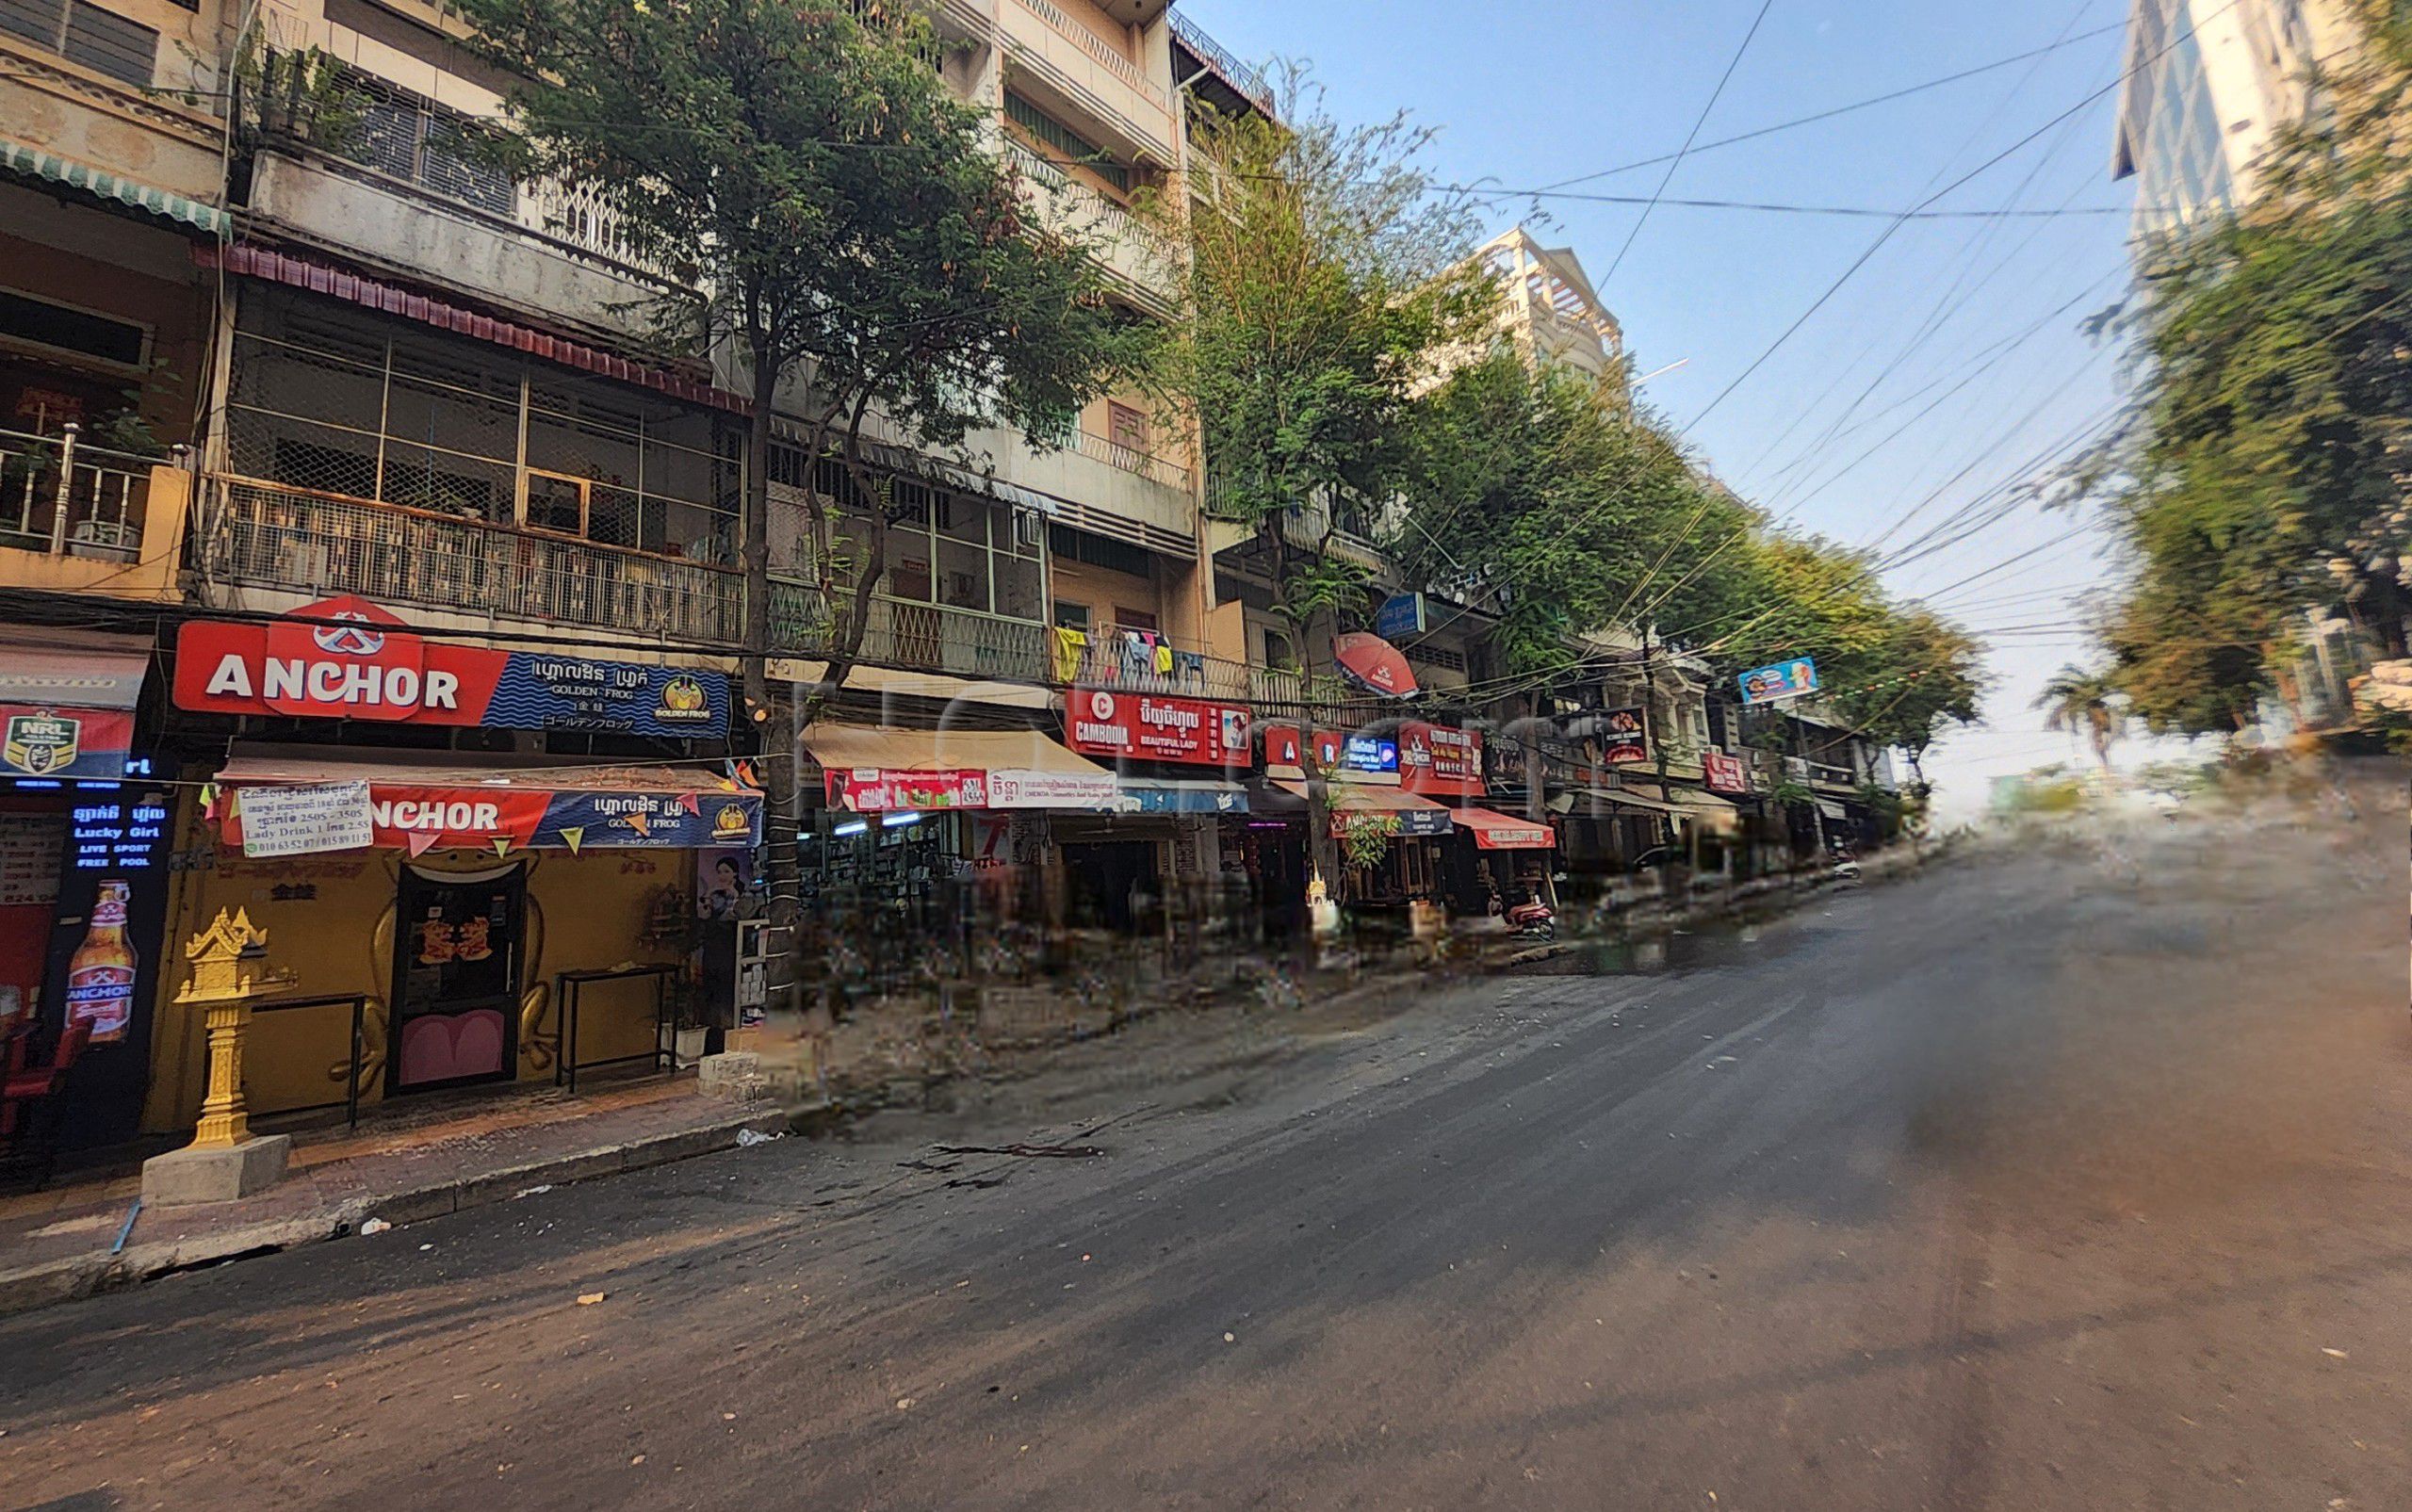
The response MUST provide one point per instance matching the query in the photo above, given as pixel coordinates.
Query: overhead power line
(1677, 161)
(1855, 105)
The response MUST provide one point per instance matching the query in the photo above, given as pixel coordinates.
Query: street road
(2079, 1177)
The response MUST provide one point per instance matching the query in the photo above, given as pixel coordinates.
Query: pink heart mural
(444, 1046)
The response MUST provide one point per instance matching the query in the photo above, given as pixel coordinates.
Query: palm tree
(2079, 702)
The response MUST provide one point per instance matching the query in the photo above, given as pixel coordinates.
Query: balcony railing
(1132, 459)
(1097, 47)
(915, 636)
(375, 124)
(1247, 80)
(961, 642)
(275, 536)
(1123, 243)
(1126, 660)
(66, 499)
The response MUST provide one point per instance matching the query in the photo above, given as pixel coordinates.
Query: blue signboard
(1780, 680)
(1400, 614)
(1372, 754)
(1142, 797)
(542, 691)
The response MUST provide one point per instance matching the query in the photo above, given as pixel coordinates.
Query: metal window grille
(379, 125)
(100, 39)
(360, 412)
(1069, 145)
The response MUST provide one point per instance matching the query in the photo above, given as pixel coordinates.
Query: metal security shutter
(37, 21)
(111, 44)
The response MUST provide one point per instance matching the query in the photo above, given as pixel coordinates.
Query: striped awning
(34, 163)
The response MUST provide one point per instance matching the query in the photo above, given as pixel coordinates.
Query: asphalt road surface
(2079, 1178)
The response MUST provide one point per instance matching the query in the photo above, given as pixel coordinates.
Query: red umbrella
(1374, 662)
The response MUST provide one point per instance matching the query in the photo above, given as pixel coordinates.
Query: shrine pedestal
(215, 1173)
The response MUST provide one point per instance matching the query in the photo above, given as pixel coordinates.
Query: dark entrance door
(458, 943)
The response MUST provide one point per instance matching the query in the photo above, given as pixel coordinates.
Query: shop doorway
(458, 943)
(1111, 884)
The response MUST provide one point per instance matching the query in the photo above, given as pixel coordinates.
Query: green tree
(828, 207)
(1550, 500)
(2266, 470)
(1327, 273)
(830, 216)
(2084, 703)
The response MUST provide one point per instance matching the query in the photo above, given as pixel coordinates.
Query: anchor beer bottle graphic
(100, 975)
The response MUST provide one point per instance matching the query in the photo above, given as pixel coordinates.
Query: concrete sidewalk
(63, 1243)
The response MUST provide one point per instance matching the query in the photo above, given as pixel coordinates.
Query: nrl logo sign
(40, 744)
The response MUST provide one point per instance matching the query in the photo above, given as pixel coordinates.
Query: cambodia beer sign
(1186, 730)
(347, 658)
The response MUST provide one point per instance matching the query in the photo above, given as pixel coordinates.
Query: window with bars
(406, 135)
(961, 550)
(341, 401)
(1065, 144)
(84, 33)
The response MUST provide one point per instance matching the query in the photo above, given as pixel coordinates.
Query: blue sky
(1976, 317)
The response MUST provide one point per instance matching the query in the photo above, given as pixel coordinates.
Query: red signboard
(1152, 728)
(1724, 773)
(1373, 758)
(1438, 761)
(347, 658)
(880, 791)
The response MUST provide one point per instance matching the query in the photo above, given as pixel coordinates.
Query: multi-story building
(2208, 86)
(110, 179)
(424, 432)
(1549, 311)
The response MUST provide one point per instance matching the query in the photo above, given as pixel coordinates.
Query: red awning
(1494, 831)
(282, 267)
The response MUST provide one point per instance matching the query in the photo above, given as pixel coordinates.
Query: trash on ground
(533, 1191)
(588, 1299)
(748, 1138)
(375, 1226)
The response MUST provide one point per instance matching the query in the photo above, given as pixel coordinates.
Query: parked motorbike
(1531, 920)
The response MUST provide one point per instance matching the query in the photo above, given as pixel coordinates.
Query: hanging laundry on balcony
(1162, 659)
(1138, 655)
(1189, 669)
(1069, 646)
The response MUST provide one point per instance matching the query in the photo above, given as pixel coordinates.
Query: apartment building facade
(2207, 87)
(363, 403)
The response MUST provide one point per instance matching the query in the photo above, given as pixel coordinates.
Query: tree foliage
(2084, 703)
(1547, 500)
(823, 201)
(1326, 267)
(2272, 444)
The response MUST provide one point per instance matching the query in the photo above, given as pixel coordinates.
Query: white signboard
(305, 821)
(1013, 788)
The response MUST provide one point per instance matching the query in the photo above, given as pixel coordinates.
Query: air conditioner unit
(1030, 530)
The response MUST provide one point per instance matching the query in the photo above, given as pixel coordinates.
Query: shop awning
(1582, 798)
(1353, 802)
(423, 803)
(34, 163)
(876, 768)
(1494, 831)
(284, 268)
(1833, 810)
(67, 702)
